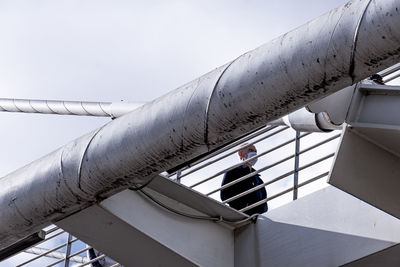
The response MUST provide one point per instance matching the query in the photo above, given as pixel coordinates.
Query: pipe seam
(354, 46)
(83, 157)
(211, 97)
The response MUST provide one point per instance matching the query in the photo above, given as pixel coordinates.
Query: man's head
(244, 152)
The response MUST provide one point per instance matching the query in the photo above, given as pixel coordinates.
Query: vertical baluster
(296, 165)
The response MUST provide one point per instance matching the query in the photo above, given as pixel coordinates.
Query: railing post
(296, 165)
(178, 176)
(68, 251)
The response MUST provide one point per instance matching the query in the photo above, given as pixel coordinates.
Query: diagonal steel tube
(316, 59)
(81, 108)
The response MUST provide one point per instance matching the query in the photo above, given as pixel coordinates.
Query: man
(247, 152)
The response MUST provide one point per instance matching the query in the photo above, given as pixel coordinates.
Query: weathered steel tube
(80, 108)
(318, 58)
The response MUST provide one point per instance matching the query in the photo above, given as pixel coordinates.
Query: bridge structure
(163, 208)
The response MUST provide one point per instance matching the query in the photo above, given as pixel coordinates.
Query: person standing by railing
(247, 152)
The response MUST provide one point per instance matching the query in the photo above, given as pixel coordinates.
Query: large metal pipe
(318, 58)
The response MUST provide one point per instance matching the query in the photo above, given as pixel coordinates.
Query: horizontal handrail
(51, 237)
(93, 260)
(279, 178)
(269, 166)
(51, 230)
(47, 252)
(264, 129)
(232, 152)
(285, 191)
(71, 257)
(245, 161)
(276, 179)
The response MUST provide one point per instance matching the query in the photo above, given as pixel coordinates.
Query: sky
(117, 50)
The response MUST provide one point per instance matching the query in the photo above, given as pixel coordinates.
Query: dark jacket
(243, 186)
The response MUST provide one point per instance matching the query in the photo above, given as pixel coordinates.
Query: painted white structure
(326, 228)
(81, 187)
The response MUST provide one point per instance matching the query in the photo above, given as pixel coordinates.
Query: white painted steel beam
(327, 54)
(368, 157)
(388, 257)
(135, 231)
(326, 228)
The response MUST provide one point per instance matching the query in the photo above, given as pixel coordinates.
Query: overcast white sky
(120, 50)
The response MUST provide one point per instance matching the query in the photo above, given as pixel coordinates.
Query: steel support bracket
(368, 157)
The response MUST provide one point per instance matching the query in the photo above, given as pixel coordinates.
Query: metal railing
(59, 248)
(287, 161)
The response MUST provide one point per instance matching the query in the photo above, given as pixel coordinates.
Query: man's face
(243, 152)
